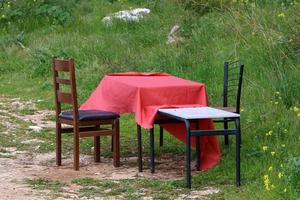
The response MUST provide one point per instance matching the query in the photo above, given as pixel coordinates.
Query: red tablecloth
(145, 93)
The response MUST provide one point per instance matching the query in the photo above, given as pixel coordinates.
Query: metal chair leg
(140, 158)
(188, 155)
(161, 136)
(238, 147)
(198, 150)
(226, 141)
(152, 164)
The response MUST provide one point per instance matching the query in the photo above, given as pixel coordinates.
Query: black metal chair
(232, 88)
(193, 115)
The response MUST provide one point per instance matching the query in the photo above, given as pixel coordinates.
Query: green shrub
(37, 12)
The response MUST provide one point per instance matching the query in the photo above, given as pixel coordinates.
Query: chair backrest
(61, 69)
(233, 78)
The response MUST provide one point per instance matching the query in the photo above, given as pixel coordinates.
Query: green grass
(44, 184)
(264, 37)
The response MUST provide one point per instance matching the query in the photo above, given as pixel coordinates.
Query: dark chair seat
(89, 115)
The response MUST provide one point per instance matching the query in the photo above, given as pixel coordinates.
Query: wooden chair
(232, 88)
(85, 123)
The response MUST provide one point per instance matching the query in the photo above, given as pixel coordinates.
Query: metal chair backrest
(233, 78)
(61, 66)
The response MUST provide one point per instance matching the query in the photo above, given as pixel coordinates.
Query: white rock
(126, 15)
(35, 128)
(32, 141)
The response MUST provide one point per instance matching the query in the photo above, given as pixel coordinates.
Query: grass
(264, 36)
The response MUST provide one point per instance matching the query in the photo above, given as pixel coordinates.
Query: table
(145, 93)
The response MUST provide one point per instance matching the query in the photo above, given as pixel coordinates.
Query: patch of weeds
(90, 192)
(7, 156)
(27, 111)
(44, 184)
(130, 189)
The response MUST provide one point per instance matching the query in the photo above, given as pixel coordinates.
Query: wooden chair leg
(116, 143)
(58, 144)
(112, 144)
(97, 149)
(76, 147)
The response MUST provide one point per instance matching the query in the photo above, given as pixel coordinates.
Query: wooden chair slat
(62, 81)
(64, 97)
(62, 65)
(96, 133)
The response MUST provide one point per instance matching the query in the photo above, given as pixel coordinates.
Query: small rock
(174, 35)
(8, 149)
(16, 105)
(35, 128)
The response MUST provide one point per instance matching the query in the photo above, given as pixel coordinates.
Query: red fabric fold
(139, 74)
(145, 93)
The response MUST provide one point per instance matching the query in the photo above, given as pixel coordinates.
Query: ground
(28, 169)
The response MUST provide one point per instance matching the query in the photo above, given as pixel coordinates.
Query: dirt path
(17, 167)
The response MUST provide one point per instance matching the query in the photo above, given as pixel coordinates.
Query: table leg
(188, 155)
(161, 136)
(152, 164)
(198, 153)
(140, 158)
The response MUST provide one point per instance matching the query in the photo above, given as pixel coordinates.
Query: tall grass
(263, 35)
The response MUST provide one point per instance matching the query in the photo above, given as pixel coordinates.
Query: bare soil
(18, 166)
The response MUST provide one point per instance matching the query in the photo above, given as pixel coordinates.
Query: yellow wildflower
(242, 110)
(283, 145)
(265, 148)
(298, 115)
(281, 15)
(285, 190)
(273, 153)
(269, 133)
(270, 168)
(280, 175)
(267, 182)
(276, 102)
(295, 109)
(272, 186)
